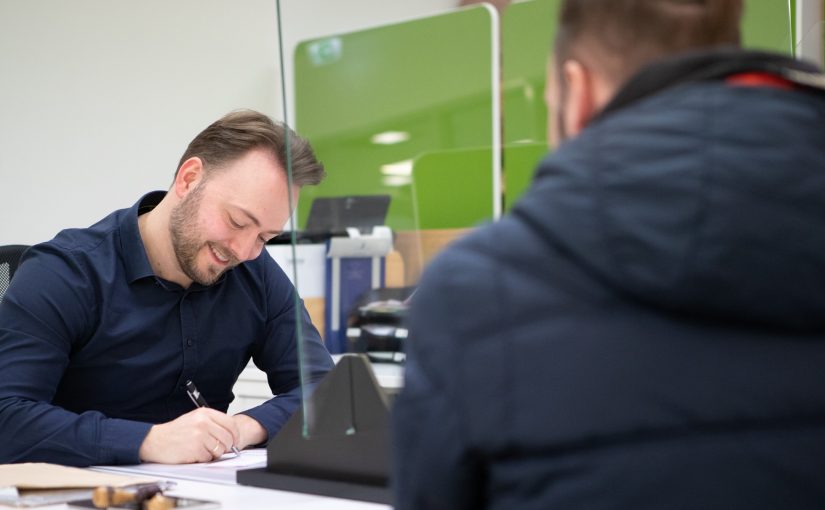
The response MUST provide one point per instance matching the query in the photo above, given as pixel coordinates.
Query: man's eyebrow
(254, 220)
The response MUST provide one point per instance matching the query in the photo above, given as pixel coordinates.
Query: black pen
(199, 401)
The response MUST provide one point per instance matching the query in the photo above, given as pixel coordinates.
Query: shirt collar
(133, 252)
(709, 65)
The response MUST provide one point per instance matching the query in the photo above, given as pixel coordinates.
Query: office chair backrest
(9, 259)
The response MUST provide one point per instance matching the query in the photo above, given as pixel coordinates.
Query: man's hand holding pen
(197, 398)
(201, 435)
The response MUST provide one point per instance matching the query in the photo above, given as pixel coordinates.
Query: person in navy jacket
(646, 327)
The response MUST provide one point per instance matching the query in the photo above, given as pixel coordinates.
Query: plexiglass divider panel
(405, 119)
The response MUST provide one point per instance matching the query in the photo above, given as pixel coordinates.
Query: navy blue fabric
(94, 348)
(645, 329)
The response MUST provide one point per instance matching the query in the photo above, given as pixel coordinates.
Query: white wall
(809, 30)
(98, 98)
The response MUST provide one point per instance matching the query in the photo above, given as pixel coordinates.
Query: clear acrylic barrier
(407, 112)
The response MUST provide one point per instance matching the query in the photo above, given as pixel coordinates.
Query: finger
(211, 449)
(204, 453)
(224, 439)
(227, 424)
(218, 450)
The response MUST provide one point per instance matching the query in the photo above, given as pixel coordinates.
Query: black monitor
(331, 216)
(336, 214)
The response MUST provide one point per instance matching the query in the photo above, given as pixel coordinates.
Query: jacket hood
(705, 199)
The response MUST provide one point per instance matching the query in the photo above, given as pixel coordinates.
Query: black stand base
(345, 453)
(336, 489)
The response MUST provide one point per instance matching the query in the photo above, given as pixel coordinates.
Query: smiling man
(102, 327)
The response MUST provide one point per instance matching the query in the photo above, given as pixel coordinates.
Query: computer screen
(336, 214)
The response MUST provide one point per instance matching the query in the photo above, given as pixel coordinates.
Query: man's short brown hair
(622, 36)
(235, 134)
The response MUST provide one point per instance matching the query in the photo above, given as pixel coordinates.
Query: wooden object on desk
(315, 307)
(159, 502)
(106, 495)
(394, 269)
(418, 247)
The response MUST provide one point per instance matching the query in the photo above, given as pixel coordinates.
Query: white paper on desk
(247, 459)
(223, 470)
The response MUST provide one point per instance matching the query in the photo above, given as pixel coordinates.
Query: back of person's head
(619, 37)
(235, 134)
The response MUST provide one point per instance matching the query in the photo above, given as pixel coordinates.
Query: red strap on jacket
(760, 79)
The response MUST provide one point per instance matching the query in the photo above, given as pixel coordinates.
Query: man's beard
(186, 243)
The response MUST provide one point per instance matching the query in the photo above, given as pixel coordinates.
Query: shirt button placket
(187, 324)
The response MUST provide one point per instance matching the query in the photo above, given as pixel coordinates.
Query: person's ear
(189, 175)
(581, 97)
(553, 101)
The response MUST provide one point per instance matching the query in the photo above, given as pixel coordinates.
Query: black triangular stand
(345, 453)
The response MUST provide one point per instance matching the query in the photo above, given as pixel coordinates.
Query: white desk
(241, 497)
(216, 482)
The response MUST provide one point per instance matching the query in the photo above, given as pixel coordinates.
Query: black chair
(9, 259)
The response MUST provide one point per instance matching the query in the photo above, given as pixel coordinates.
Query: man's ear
(581, 98)
(189, 175)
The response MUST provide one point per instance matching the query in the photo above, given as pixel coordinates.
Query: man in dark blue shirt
(102, 326)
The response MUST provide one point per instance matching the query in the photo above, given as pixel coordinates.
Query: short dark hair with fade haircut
(622, 36)
(235, 134)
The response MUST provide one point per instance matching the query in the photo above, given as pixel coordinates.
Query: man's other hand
(252, 432)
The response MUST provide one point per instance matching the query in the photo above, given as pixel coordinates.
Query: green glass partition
(438, 179)
(769, 25)
(527, 33)
(374, 100)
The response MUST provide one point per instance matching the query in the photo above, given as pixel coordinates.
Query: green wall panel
(428, 80)
(440, 177)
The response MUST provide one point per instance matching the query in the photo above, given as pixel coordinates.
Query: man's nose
(246, 247)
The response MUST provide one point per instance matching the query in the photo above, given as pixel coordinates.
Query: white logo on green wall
(324, 51)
